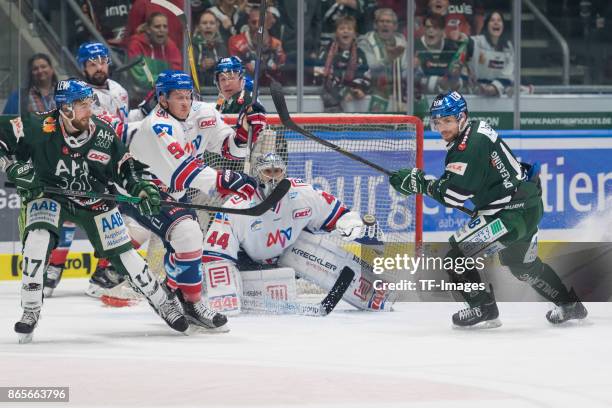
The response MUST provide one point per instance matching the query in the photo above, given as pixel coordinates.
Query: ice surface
(408, 358)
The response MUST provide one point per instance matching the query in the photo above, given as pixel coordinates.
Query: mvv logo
(280, 236)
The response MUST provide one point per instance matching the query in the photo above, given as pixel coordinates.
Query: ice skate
(26, 325)
(102, 280)
(198, 314)
(567, 311)
(53, 275)
(484, 316)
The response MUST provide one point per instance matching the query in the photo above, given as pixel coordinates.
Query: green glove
(24, 176)
(409, 181)
(149, 197)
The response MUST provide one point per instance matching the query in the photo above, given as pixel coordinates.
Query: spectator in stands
(462, 18)
(385, 51)
(159, 51)
(39, 90)
(332, 10)
(228, 13)
(110, 18)
(399, 7)
(438, 59)
(141, 11)
(490, 58)
(244, 46)
(342, 69)
(208, 47)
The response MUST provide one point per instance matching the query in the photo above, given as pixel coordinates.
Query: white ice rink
(408, 358)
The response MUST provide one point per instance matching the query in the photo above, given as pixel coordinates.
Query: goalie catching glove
(234, 182)
(350, 226)
(255, 116)
(24, 176)
(410, 181)
(150, 198)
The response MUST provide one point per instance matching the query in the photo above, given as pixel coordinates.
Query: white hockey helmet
(270, 169)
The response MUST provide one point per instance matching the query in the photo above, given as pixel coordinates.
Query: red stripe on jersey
(182, 177)
(339, 213)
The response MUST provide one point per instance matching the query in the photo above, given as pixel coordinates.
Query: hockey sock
(59, 254)
(544, 280)
(188, 272)
(35, 251)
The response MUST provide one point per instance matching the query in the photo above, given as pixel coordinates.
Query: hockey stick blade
(270, 201)
(338, 290)
(278, 97)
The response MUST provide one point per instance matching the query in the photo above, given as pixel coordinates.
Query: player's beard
(99, 78)
(81, 124)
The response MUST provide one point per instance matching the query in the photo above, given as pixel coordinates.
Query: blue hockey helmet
(230, 64)
(71, 90)
(170, 80)
(92, 51)
(449, 104)
(248, 84)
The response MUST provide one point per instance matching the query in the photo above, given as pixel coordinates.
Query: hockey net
(391, 141)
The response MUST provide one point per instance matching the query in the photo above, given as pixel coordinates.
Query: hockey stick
(181, 16)
(263, 9)
(270, 201)
(323, 308)
(278, 98)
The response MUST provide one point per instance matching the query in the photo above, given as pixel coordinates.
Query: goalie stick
(270, 201)
(263, 10)
(323, 308)
(278, 98)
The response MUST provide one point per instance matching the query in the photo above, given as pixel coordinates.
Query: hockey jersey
(174, 149)
(112, 99)
(265, 238)
(479, 167)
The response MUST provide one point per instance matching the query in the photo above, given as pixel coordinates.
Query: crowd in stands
(355, 50)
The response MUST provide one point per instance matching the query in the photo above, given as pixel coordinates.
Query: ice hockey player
(481, 167)
(69, 148)
(110, 102)
(291, 235)
(234, 91)
(172, 141)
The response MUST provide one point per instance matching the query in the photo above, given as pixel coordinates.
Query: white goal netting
(391, 141)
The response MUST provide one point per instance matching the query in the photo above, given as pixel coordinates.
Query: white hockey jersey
(112, 99)
(265, 238)
(174, 149)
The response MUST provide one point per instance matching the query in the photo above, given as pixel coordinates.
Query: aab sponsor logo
(113, 221)
(281, 236)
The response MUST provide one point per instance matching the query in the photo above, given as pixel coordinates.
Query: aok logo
(280, 236)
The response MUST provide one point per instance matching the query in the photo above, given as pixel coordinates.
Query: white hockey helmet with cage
(270, 169)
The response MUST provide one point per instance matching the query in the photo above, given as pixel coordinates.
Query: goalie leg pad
(186, 241)
(319, 260)
(36, 248)
(223, 286)
(276, 283)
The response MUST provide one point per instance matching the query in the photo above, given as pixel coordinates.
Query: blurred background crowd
(355, 51)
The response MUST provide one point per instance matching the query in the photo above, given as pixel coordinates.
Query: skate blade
(197, 329)
(25, 338)
(487, 324)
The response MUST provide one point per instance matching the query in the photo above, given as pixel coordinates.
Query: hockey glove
(24, 176)
(350, 226)
(409, 181)
(148, 104)
(149, 197)
(235, 182)
(254, 115)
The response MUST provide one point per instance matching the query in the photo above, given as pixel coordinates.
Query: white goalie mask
(270, 169)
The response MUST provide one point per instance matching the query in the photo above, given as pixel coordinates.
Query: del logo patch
(302, 213)
(207, 123)
(95, 155)
(457, 168)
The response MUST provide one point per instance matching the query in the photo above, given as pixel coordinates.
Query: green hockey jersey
(93, 166)
(480, 167)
